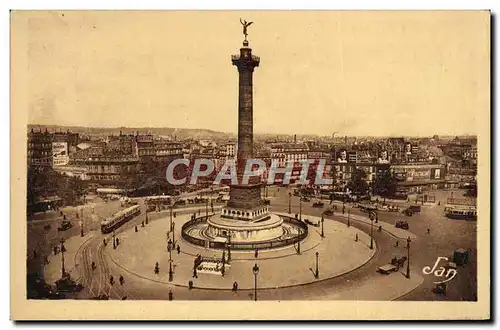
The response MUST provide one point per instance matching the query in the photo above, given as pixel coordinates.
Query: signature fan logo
(448, 272)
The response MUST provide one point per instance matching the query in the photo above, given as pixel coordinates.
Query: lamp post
(170, 272)
(289, 202)
(348, 217)
(322, 225)
(255, 270)
(206, 207)
(408, 241)
(81, 228)
(228, 247)
(300, 208)
(317, 269)
(63, 270)
(146, 216)
(170, 218)
(173, 235)
(371, 233)
(298, 241)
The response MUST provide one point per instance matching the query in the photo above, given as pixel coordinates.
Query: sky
(354, 73)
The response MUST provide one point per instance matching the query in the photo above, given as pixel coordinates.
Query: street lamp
(322, 225)
(348, 217)
(171, 217)
(255, 270)
(206, 207)
(298, 240)
(146, 216)
(371, 233)
(173, 234)
(170, 272)
(63, 249)
(317, 270)
(290, 202)
(300, 208)
(228, 247)
(81, 227)
(408, 241)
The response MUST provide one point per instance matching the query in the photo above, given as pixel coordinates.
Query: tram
(119, 218)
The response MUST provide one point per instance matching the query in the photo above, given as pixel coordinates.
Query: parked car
(402, 225)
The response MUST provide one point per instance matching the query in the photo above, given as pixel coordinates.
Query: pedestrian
(104, 241)
(111, 280)
(356, 238)
(117, 241)
(379, 228)
(157, 268)
(170, 295)
(142, 223)
(256, 253)
(122, 280)
(397, 243)
(136, 229)
(178, 249)
(235, 286)
(175, 214)
(56, 250)
(93, 265)
(190, 284)
(428, 230)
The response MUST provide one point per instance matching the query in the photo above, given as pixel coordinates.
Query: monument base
(269, 228)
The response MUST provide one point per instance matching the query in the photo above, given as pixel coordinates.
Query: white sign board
(60, 153)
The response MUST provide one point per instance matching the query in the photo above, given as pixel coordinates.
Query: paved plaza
(339, 253)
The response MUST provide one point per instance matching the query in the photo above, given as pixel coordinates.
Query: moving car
(328, 212)
(65, 225)
(411, 210)
(387, 269)
(460, 257)
(402, 225)
(318, 204)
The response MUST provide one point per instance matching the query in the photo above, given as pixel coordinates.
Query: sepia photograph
(260, 160)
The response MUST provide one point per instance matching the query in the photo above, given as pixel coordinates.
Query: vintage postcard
(241, 165)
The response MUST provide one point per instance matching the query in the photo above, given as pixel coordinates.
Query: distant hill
(180, 133)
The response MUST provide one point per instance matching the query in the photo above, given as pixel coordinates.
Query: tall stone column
(245, 196)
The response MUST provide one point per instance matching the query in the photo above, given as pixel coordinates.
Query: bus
(461, 212)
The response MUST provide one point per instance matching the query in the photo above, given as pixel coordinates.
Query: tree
(44, 182)
(385, 183)
(358, 184)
